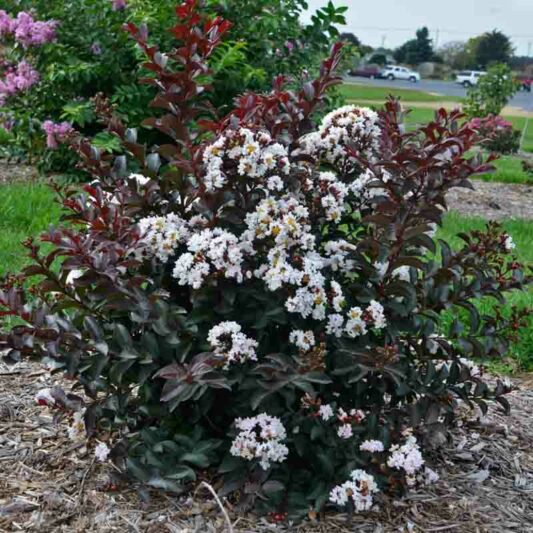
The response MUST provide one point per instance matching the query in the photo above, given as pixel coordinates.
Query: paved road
(522, 99)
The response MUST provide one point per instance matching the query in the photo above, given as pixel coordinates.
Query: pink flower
(6, 23)
(18, 79)
(27, 31)
(56, 133)
(289, 45)
(119, 5)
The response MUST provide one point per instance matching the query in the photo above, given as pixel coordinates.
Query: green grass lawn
(352, 91)
(4, 136)
(508, 170)
(521, 353)
(27, 209)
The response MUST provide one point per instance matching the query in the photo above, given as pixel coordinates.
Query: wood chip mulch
(49, 483)
(493, 201)
(16, 173)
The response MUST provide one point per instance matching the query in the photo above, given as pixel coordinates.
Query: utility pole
(383, 40)
(529, 44)
(437, 32)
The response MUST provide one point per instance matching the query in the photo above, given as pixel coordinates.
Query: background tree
(352, 39)
(493, 47)
(416, 50)
(457, 55)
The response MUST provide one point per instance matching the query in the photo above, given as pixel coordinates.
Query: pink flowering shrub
(27, 31)
(56, 133)
(496, 134)
(259, 298)
(17, 77)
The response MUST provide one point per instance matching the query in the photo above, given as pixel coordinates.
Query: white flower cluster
(333, 193)
(260, 437)
(326, 412)
(377, 315)
(255, 155)
(409, 459)
(304, 340)
(231, 344)
(427, 476)
(430, 476)
(359, 489)
(337, 255)
(508, 243)
(372, 446)
(357, 321)
(209, 251)
(278, 245)
(368, 185)
(160, 236)
(281, 225)
(285, 221)
(406, 457)
(347, 126)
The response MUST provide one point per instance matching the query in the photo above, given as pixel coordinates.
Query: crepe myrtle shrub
(258, 301)
(497, 134)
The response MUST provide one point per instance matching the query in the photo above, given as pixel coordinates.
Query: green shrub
(255, 298)
(492, 92)
(93, 55)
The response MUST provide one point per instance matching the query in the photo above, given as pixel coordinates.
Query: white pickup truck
(469, 78)
(394, 72)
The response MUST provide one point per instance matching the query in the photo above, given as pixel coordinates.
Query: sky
(392, 22)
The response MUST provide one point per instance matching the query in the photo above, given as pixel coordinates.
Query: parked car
(366, 71)
(394, 72)
(469, 78)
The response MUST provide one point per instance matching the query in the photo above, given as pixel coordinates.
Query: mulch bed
(493, 201)
(16, 173)
(49, 483)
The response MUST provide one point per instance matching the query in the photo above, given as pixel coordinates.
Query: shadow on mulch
(50, 484)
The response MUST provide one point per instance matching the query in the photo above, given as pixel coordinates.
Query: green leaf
(272, 486)
(197, 459)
